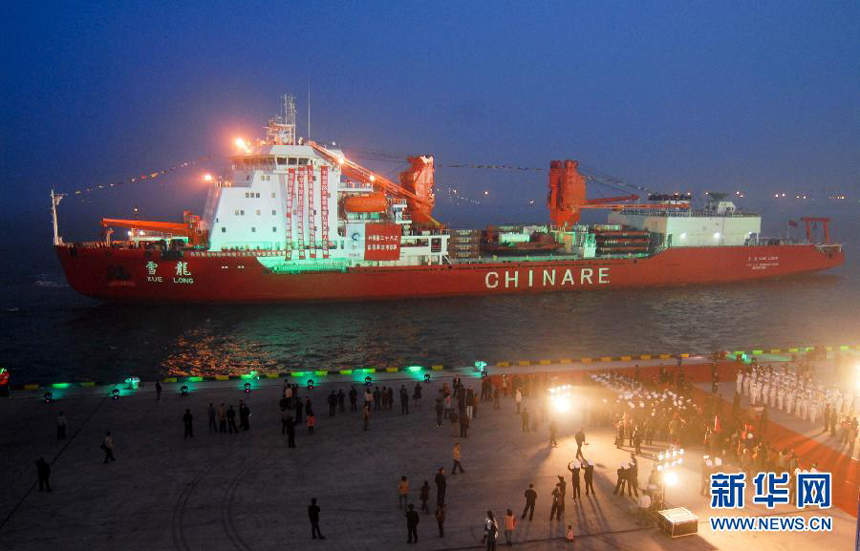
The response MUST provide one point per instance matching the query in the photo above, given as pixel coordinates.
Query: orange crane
(567, 196)
(420, 207)
(190, 228)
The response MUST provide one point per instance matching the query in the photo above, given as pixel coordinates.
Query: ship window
(248, 177)
(282, 161)
(274, 229)
(303, 162)
(293, 160)
(257, 196)
(258, 212)
(273, 195)
(223, 229)
(253, 229)
(274, 212)
(236, 212)
(242, 212)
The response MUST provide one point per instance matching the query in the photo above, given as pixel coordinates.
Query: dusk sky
(759, 96)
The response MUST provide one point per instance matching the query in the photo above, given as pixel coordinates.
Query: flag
(792, 223)
(716, 423)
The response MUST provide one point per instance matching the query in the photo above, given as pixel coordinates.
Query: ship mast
(55, 200)
(282, 129)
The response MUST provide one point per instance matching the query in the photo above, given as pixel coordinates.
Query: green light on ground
(298, 374)
(320, 373)
(369, 370)
(414, 368)
(346, 372)
(61, 385)
(195, 379)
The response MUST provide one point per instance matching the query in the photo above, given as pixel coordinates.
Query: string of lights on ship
(452, 194)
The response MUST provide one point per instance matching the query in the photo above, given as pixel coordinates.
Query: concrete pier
(249, 491)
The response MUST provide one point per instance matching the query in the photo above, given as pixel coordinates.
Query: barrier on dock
(300, 374)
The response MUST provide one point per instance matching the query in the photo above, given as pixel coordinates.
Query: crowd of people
(793, 389)
(663, 409)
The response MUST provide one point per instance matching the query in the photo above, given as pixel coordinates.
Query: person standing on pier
(213, 428)
(441, 486)
(464, 424)
(425, 497)
(365, 415)
(314, 516)
(291, 431)
(588, 476)
(107, 446)
(556, 509)
(300, 406)
(158, 390)
(491, 531)
(621, 480)
(404, 400)
(332, 403)
(416, 395)
(311, 422)
(553, 429)
(580, 440)
(531, 498)
(187, 420)
(412, 520)
(222, 419)
(61, 426)
(231, 421)
(440, 520)
(341, 401)
(244, 416)
(43, 469)
(525, 419)
(440, 409)
(574, 468)
(456, 454)
(353, 399)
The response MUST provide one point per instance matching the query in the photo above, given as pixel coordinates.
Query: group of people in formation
(796, 393)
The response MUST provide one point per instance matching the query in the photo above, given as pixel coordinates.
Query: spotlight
(483, 374)
(560, 403)
(369, 380)
(247, 388)
(670, 478)
(49, 397)
(133, 382)
(310, 384)
(426, 378)
(183, 391)
(114, 394)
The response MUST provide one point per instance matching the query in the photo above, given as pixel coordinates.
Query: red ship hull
(128, 275)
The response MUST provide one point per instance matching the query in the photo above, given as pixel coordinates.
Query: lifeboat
(375, 202)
